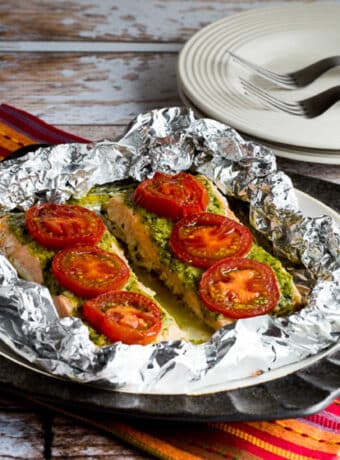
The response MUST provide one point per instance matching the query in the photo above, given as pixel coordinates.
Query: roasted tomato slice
(239, 288)
(88, 271)
(203, 239)
(56, 226)
(172, 196)
(124, 316)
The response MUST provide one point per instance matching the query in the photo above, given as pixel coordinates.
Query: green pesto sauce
(284, 279)
(17, 226)
(16, 223)
(160, 230)
(214, 205)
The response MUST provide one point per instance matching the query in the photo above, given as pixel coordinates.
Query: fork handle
(308, 74)
(323, 101)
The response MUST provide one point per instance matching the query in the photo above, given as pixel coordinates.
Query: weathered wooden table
(89, 67)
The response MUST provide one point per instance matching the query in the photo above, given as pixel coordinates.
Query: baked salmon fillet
(33, 263)
(146, 236)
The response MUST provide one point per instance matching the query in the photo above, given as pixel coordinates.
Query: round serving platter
(281, 39)
(329, 157)
(301, 393)
(291, 391)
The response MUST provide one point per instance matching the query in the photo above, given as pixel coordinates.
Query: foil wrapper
(172, 140)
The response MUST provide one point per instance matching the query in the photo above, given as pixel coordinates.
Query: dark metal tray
(302, 393)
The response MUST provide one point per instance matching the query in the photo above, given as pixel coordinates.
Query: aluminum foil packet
(172, 140)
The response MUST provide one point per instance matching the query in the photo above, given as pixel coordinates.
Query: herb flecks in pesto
(16, 224)
(285, 280)
(159, 229)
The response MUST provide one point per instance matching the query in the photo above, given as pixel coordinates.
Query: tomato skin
(253, 288)
(56, 226)
(203, 239)
(125, 316)
(93, 315)
(172, 196)
(88, 271)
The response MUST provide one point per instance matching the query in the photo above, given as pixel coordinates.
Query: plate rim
(233, 405)
(280, 150)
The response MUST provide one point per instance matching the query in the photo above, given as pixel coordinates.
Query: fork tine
(283, 79)
(260, 70)
(297, 79)
(253, 88)
(274, 102)
(294, 108)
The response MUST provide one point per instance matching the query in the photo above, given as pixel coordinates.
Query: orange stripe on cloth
(202, 440)
(11, 140)
(254, 444)
(127, 432)
(310, 436)
(298, 442)
(273, 447)
(245, 445)
(150, 443)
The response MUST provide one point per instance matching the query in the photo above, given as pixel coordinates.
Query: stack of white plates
(281, 39)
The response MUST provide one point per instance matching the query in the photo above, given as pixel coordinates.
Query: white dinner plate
(330, 157)
(310, 207)
(281, 39)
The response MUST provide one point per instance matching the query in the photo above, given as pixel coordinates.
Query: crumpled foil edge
(171, 140)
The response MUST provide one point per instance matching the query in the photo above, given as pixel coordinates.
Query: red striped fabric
(19, 128)
(313, 437)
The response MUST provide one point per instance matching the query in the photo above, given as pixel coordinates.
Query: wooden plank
(87, 47)
(321, 171)
(161, 20)
(21, 436)
(75, 440)
(88, 89)
(95, 133)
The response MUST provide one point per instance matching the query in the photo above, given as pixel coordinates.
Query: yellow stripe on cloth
(148, 442)
(259, 442)
(315, 438)
(11, 139)
(295, 432)
(126, 432)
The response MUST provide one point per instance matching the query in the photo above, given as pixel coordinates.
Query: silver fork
(309, 108)
(297, 79)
